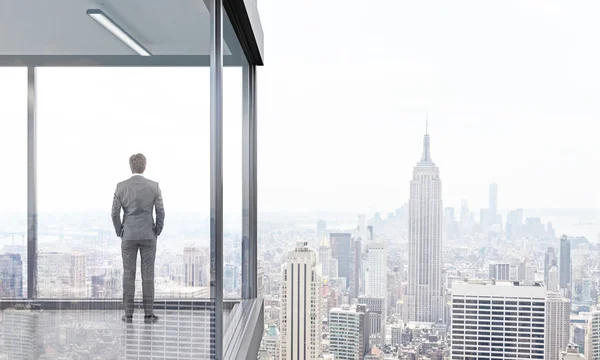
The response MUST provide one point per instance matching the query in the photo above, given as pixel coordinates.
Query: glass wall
(90, 121)
(232, 162)
(13, 182)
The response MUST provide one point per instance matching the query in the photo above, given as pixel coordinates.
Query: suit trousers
(129, 250)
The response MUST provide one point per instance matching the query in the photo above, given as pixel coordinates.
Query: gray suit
(138, 196)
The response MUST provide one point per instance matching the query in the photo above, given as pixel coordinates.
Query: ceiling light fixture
(106, 22)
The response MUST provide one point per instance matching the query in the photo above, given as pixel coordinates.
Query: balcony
(59, 292)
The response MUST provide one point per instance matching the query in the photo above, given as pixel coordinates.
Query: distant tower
(425, 295)
(325, 257)
(550, 261)
(493, 201)
(196, 266)
(565, 265)
(301, 305)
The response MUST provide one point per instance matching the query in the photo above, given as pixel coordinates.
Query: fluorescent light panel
(117, 31)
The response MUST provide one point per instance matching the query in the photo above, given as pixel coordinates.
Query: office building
(514, 224)
(355, 276)
(231, 274)
(341, 249)
(377, 311)
(377, 271)
(425, 294)
(499, 271)
(11, 276)
(61, 275)
(557, 324)
(196, 266)
(592, 344)
(325, 257)
(377, 278)
(348, 332)
(498, 320)
(565, 265)
(321, 228)
(550, 261)
(301, 305)
(20, 334)
(552, 283)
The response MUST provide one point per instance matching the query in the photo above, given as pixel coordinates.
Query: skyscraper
(325, 257)
(321, 228)
(550, 260)
(355, 276)
(377, 279)
(565, 265)
(557, 324)
(377, 270)
(425, 296)
(196, 266)
(552, 283)
(341, 249)
(510, 314)
(301, 305)
(11, 276)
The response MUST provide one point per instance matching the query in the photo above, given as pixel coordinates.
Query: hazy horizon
(341, 117)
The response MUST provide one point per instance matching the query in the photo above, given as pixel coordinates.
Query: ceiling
(62, 28)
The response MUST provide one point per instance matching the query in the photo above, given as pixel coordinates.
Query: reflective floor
(100, 334)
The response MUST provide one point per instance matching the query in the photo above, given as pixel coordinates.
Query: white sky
(511, 89)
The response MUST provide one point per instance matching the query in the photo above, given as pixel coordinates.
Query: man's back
(137, 196)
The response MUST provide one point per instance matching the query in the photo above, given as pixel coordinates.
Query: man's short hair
(137, 163)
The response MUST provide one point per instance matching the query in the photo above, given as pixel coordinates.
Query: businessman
(138, 231)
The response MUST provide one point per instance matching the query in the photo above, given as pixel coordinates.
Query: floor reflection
(100, 334)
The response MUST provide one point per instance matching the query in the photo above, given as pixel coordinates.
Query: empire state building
(424, 299)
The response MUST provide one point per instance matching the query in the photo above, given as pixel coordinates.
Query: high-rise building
(498, 320)
(348, 332)
(514, 224)
(325, 257)
(362, 228)
(565, 265)
(377, 270)
(376, 308)
(550, 260)
(552, 283)
(11, 276)
(321, 228)
(557, 324)
(20, 333)
(301, 305)
(61, 275)
(341, 249)
(425, 296)
(499, 271)
(196, 266)
(377, 277)
(355, 276)
(592, 344)
(230, 278)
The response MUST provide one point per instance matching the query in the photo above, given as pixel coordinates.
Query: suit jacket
(137, 196)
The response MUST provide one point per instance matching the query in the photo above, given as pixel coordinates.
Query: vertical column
(216, 173)
(249, 191)
(32, 225)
